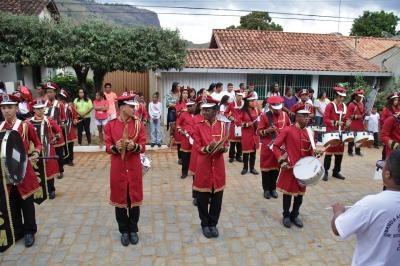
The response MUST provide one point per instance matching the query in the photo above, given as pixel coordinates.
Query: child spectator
(101, 107)
(155, 111)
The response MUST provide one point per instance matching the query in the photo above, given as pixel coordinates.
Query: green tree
(374, 23)
(257, 20)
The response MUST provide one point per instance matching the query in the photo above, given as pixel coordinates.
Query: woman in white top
(274, 90)
(319, 106)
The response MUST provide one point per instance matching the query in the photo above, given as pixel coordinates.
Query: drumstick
(346, 207)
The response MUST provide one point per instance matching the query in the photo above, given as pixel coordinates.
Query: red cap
(393, 95)
(128, 99)
(209, 102)
(275, 100)
(26, 94)
(340, 91)
(359, 92)
(65, 94)
(302, 92)
(39, 103)
(302, 109)
(9, 99)
(50, 85)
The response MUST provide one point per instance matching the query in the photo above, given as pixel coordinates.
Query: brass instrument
(124, 140)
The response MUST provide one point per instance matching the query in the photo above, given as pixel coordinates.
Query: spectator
(83, 107)
(155, 112)
(320, 105)
(373, 125)
(223, 105)
(311, 95)
(374, 220)
(3, 89)
(101, 107)
(142, 111)
(274, 90)
(211, 88)
(242, 87)
(192, 94)
(218, 93)
(230, 92)
(289, 100)
(251, 90)
(111, 98)
(171, 100)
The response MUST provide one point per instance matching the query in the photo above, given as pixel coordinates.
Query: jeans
(84, 124)
(155, 131)
(319, 121)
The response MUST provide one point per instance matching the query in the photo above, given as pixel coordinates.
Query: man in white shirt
(230, 92)
(155, 111)
(251, 89)
(373, 125)
(218, 93)
(375, 220)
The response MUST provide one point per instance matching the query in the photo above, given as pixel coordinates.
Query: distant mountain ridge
(122, 14)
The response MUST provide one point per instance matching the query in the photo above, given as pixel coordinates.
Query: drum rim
(3, 156)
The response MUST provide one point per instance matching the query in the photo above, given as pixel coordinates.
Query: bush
(70, 83)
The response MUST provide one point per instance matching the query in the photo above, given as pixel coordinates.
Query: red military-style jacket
(179, 107)
(386, 113)
(234, 112)
(390, 134)
(126, 173)
(356, 108)
(30, 183)
(297, 144)
(210, 168)
(56, 111)
(53, 130)
(142, 112)
(331, 120)
(250, 139)
(72, 116)
(280, 121)
(193, 156)
(295, 107)
(184, 126)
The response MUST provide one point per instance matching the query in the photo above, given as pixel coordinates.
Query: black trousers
(179, 151)
(193, 191)
(84, 124)
(209, 216)
(350, 147)
(249, 158)
(376, 139)
(50, 185)
(338, 163)
(235, 150)
(60, 160)
(384, 153)
(269, 180)
(287, 201)
(127, 218)
(23, 213)
(70, 152)
(185, 162)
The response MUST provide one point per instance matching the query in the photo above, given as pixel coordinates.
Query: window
(258, 80)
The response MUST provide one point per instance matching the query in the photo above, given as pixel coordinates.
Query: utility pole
(338, 24)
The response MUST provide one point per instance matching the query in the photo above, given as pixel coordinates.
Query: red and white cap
(64, 93)
(209, 102)
(128, 99)
(50, 85)
(359, 93)
(39, 103)
(340, 91)
(251, 96)
(302, 92)
(393, 95)
(302, 109)
(9, 100)
(276, 102)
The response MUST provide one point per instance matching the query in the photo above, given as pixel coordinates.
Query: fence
(122, 81)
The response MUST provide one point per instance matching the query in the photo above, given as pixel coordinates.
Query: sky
(198, 28)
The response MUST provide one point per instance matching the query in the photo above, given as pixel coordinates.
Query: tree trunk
(98, 78)
(81, 74)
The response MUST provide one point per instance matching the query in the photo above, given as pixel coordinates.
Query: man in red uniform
(304, 96)
(233, 113)
(184, 126)
(392, 107)
(125, 139)
(54, 133)
(56, 111)
(355, 117)
(335, 117)
(271, 124)
(390, 133)
(20, 196)
(296, 141)
(210, 140)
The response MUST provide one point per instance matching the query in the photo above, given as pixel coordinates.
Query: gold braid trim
(8, 204)
(291, 193)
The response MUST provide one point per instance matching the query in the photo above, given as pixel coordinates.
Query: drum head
(13, 156)
(306, 168)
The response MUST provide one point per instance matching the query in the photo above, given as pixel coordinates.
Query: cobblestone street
(79, 227)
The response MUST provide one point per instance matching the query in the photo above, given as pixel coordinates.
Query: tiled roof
(368, 47)
(252, 49)
(25, 7)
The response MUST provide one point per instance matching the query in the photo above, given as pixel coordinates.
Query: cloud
(198, 28)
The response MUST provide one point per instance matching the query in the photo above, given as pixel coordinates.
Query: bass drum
(308, 171)
(13, 157)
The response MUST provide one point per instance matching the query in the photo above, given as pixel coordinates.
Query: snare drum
(361, 136)
(308, 171)
(331, 139)
(347, 136)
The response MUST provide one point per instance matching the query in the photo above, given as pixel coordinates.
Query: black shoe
(29, 240)
(240, 160)
(159, 145)
(195, 201)
(71, 163)
(286, 222)
(52, 195)
(180, 161)
(359, 154)
(125, 239)
(244, 171)
(351, 154)
(274, 194)
(231, 160)
(297, 222)
(183, 176)
(214, 231)
(152, 145)
(206, 232)
(60, 176)
(134, 238)
(267, 195)
(338, 176)
(254, 172)
(325, 178)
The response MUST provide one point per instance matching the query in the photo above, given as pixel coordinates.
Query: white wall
(8, 72)
(197, 81)
(392, 63)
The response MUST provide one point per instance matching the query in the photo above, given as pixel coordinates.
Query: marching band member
(20, 196)
(334, 117)
(303, 95)
(125, 139)
(54, 133)
(210, 140)
(296, 141)
(355, 116)
(184, 126)
(392, 107)
(233, 113)
(390, 133)
(56, 111)
(71, 119)
(271, 124)
(180, 108)
(249, 119)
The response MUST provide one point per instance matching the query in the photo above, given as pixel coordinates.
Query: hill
(117, 13)
(190, 44)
